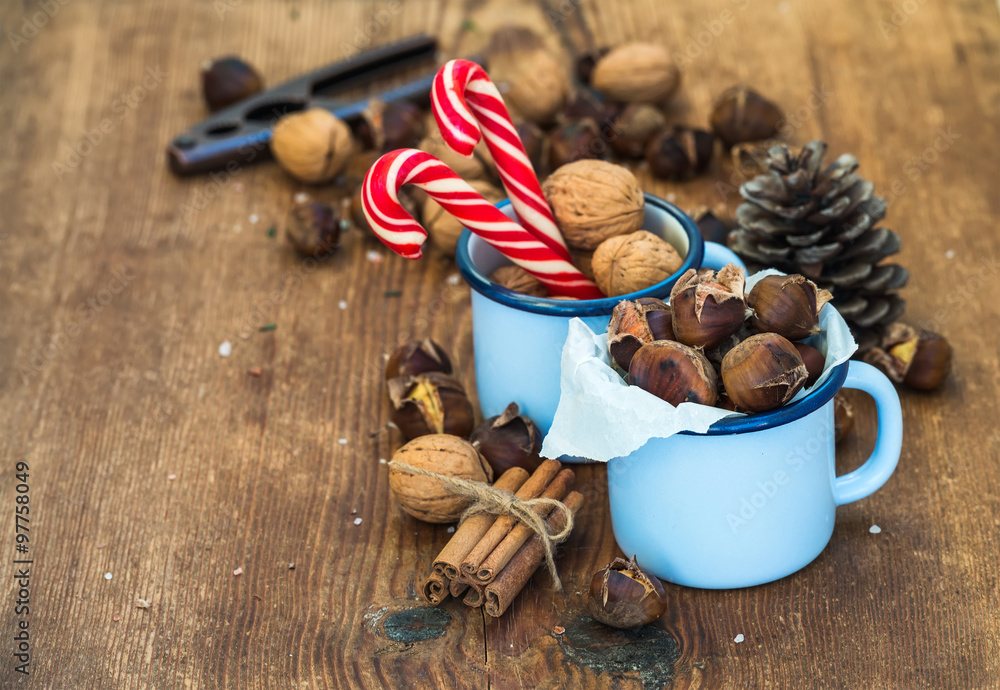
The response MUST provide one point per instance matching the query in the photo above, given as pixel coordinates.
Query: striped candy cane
(467, 106)
(402, 234)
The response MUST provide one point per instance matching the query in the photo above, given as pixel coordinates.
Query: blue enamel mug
(518, 339)
(754, 498)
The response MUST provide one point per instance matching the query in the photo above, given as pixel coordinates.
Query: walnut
(629, 263)
(517, 279)
(636, 73)
(443, 227)
(313, 145)
(427, 498)
(533, 84)
(593, 200)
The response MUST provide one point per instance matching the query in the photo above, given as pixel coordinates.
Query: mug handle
(877, 469)
(717, 256)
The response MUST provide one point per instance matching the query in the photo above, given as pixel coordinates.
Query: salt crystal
(301, 198)
(374, 256)
(254, 218)
(454, 279)
(291, 566)
(238, 571)
(342, 441)
(108, 576)
(171, 477)
(357, 521)
(738, 638)
(950, 254)
(225, 349)
(382, 461)
(451, 529)
(342, 304)
(141, 604)
(875, 529)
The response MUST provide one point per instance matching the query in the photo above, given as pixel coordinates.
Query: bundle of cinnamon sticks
(490, 558)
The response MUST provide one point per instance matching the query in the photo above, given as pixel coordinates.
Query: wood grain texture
(119, 282)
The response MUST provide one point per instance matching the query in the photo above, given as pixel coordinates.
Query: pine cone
(799, 218)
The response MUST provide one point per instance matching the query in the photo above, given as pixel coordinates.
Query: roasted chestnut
(919, 358)
(813, 359)
(623, 595)
(228, 80)
(430, 403)
(635, 323)
(417, 357)
(313, 228)
(787, 305)
(763, 372)
(708, 307)
(741, 114)
(508, 440)
(674, 372)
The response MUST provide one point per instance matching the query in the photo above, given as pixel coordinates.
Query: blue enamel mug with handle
(754, 498)
(518, 339)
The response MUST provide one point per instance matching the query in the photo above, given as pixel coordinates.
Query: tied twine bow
(486, 499)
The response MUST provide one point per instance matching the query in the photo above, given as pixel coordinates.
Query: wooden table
(156, 461)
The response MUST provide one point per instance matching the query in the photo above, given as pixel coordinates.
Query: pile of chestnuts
(715, 345)
(426, 398)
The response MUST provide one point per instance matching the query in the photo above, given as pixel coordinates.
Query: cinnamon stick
(506, 549)
(457, 588)
(472, 530)
(503, 524)
(435, 589)
(474, 597)
(511, 580)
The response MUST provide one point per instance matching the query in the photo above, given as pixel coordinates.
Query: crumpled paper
(601, 417)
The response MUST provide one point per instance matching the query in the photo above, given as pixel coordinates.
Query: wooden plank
(122, 280)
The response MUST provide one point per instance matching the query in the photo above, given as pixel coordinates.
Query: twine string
(487, 499)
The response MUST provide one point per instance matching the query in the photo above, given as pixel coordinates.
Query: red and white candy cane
(402, 234)
(468, 106)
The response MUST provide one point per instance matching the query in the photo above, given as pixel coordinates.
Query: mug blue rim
(590, 307)
(782, 415)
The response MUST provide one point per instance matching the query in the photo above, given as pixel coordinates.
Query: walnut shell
(517, 279)
(427, 498)
(533, 83)
(313, 145)
(637, 73)
(443, 227)
(593, 200)
(633, 262)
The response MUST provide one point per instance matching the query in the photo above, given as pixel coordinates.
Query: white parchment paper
(601, 417)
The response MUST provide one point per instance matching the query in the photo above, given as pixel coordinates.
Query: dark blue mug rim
(590, 307)
(784, 414)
